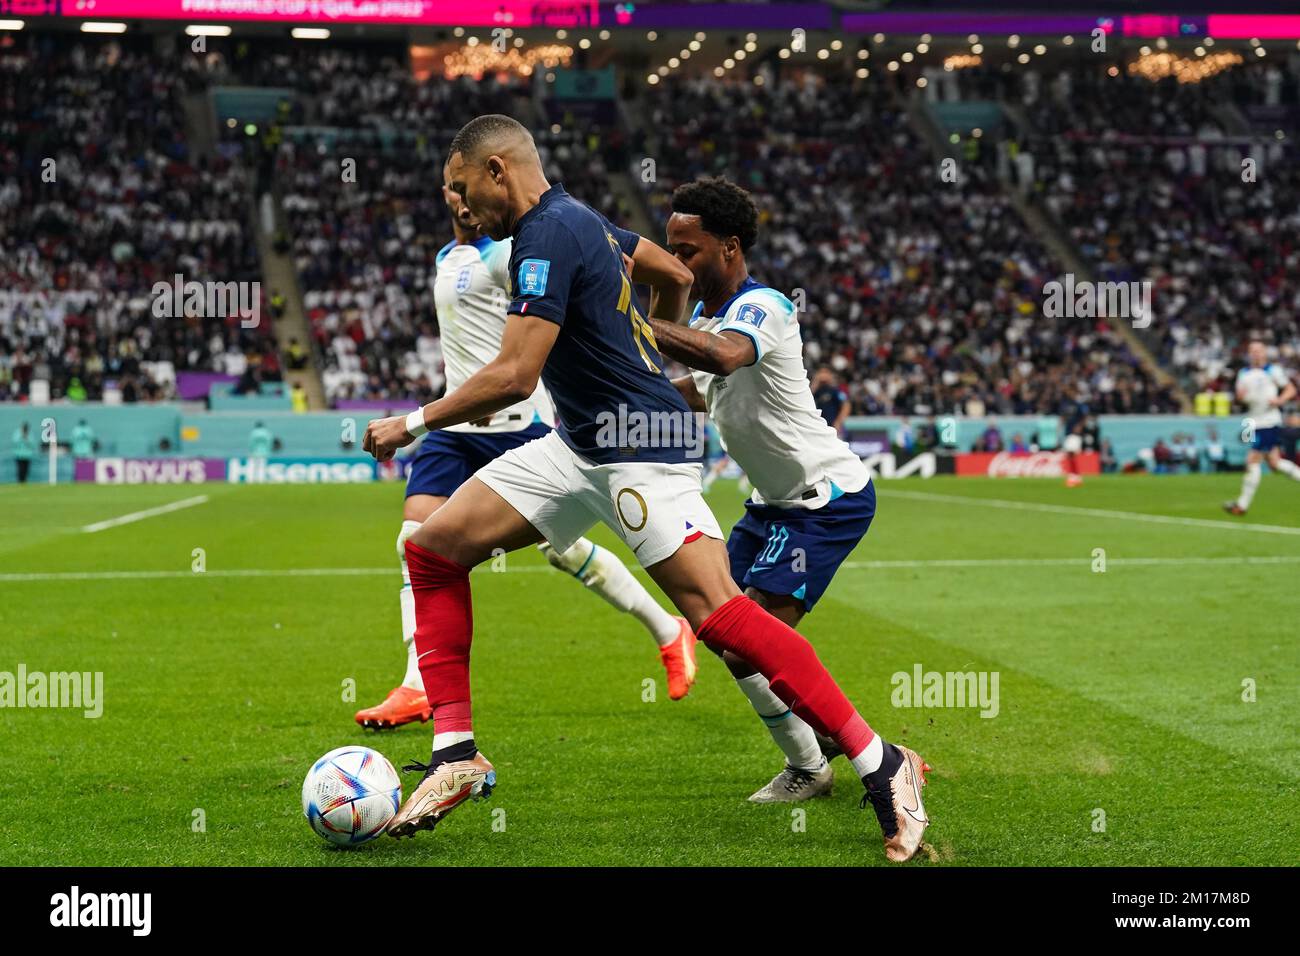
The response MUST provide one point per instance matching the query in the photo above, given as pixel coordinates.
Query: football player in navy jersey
(627, 454)
(471, 290)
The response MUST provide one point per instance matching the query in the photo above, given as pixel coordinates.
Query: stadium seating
(924, 296)
(1147, 181)
(99, 199)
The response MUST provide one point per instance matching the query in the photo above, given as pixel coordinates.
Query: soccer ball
(350, 794)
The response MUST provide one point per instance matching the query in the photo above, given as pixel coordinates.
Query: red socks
(791, 667)
(444, 626)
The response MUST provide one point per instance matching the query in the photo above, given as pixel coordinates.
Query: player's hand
(629, 264)
(385, 435)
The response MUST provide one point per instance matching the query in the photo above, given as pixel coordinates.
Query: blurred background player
(471, 291)
(831, 399)
(1073, 446)
(813, 498)
(1263, 388)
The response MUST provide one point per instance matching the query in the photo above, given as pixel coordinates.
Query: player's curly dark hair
(723, 207)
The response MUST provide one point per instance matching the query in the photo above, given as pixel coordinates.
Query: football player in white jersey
(471, 292)
(813, 498)
(1263, 388)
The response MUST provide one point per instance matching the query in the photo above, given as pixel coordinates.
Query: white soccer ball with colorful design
(350, 794)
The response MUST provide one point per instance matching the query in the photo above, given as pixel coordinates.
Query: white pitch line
(231, 573)
(147, 513)
(539, 568)
(1094, 512)
(1067, 562)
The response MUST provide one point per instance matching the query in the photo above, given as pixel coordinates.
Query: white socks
(406, 597)
(1249, 482)
(1289, 469)
(605, 574)
(795, 738)
(449, 738)
(870, 759)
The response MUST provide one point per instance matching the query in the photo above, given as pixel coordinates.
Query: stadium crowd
(924, 296)
(1193, 187)
(365, 244)
(99, 200)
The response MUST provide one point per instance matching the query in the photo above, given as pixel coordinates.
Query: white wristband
(415, 423)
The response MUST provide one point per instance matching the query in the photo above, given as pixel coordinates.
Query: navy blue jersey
(604, 373)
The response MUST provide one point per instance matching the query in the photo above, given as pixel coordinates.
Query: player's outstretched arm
(720, 354)
(509, 378)
(669, 280)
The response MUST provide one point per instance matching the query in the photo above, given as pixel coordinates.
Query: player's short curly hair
(723, 207)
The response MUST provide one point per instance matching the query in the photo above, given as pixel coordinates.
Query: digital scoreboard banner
(466, 13)
(554, 14)
(578, 14)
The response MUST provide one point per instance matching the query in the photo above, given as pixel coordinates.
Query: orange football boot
(679, 661)
(403, 705)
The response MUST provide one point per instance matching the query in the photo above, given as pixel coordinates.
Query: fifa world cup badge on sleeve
(751, 314)
(532, 276)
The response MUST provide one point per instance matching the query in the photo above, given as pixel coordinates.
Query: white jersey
(1261, 386)
(765, 413)
(471, 290)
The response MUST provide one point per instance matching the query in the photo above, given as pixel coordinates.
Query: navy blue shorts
(795, 551)
(1266, 439)
(446, 460)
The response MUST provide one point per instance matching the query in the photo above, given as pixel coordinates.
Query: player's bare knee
(418, 507)
(451, 538)
(786, 608)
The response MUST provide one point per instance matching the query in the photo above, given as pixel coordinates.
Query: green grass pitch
(1121, 693)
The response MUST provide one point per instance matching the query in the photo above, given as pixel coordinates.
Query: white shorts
(655, 508)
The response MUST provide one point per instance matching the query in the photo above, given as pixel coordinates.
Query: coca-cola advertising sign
(1038, 464)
